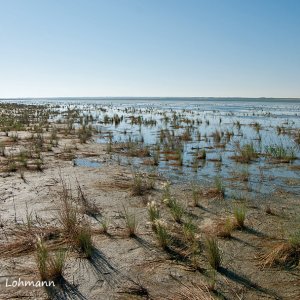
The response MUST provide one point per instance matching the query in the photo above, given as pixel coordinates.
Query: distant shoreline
(200, 99)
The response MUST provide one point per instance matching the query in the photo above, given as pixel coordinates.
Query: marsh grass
(189, 230)
(239, 213)
(245, 153)
(57, 263)
(42, 258)
(279, 152)
(219, 186)
(153, 211)
(202, 154)
(161, 232)
(225, 229)
(213, 252)
(166, 191)
(130, 222)
(68, 217)
(177, 210)
(83, 239)
(50, 266)
(140, 184)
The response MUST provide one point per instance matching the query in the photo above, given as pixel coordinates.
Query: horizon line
(147, 97)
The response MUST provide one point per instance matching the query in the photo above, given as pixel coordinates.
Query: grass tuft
(239, 213)
(213, 252)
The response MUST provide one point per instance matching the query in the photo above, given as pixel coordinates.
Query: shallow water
(82, 162)
(265, 176)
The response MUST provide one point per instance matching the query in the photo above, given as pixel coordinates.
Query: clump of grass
(130, 222)
(68, 217)
(51, 267)
(217, 135)
(140, 185)
(153, 211)
(176, 210)
(202, 154)
(239, 213)
(42, 258)
(219, 186)
(189, 230)
(226, 229)
(83, 240)
(213, 252)
(284, 154)
(166, 192)
(286, 253)
(161, 233)
(57, 264)
(245, 153)
(294, 239)
(68, 214)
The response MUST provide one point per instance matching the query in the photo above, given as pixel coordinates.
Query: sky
(162, 48)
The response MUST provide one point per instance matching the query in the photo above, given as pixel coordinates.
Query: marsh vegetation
(154, 201)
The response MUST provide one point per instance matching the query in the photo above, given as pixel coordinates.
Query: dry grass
(283, 254)
(225, 228)
(24, 241)
(191, 291)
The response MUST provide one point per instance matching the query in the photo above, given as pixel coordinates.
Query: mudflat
(167, 200)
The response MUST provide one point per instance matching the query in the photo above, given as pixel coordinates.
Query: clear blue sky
(54, 48)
